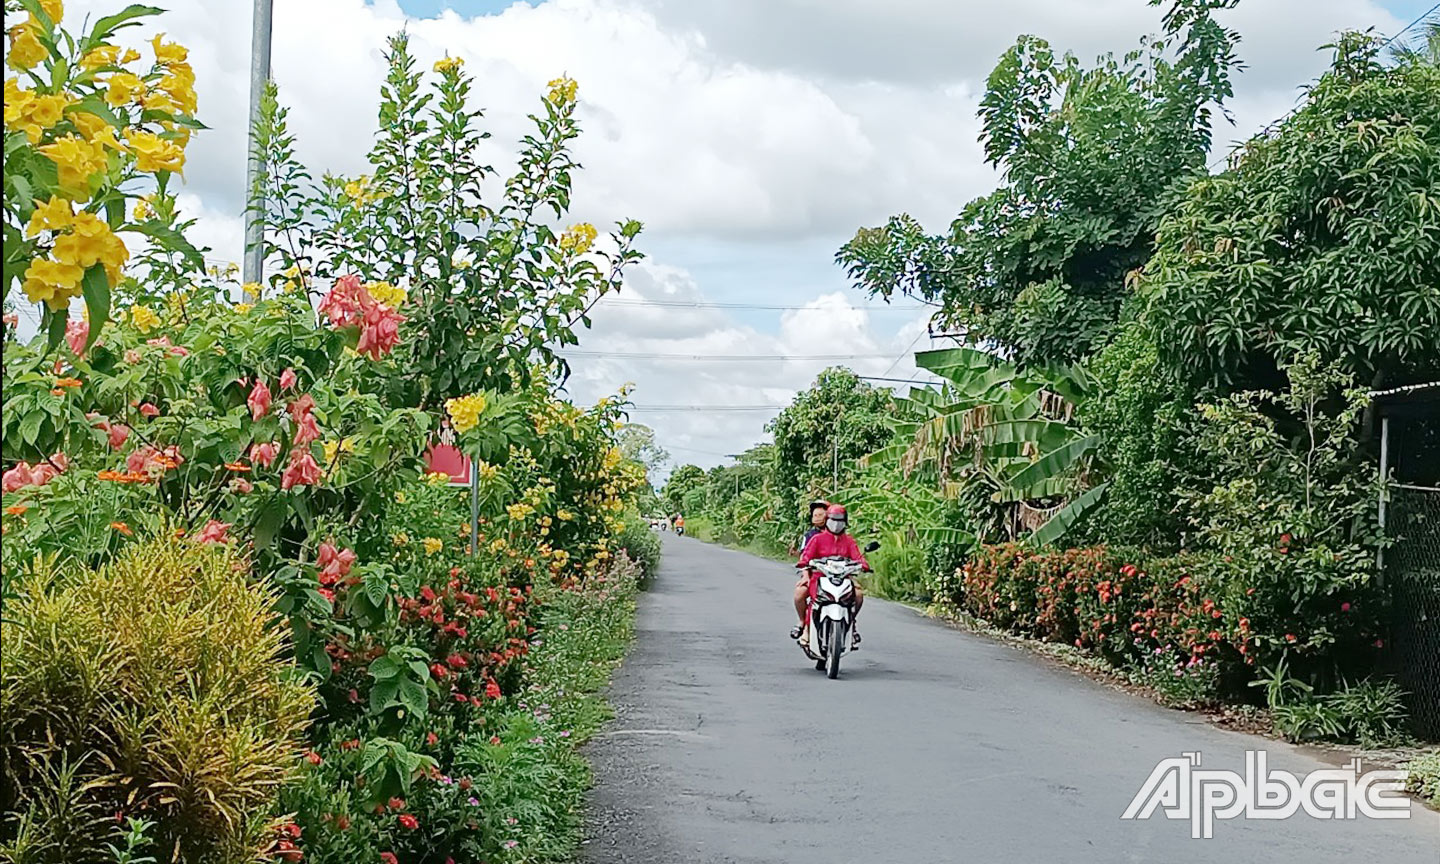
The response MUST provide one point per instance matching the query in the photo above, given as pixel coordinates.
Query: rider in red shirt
(834, 540)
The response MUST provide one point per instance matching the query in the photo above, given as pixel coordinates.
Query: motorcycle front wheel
(837, 647)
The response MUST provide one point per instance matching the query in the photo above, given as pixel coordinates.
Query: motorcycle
(827, 628)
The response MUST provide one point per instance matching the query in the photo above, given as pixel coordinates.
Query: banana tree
(1013, 433)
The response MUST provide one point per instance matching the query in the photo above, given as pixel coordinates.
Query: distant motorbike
(832, 612)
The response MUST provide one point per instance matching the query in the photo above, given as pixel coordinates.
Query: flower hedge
(1171, 613)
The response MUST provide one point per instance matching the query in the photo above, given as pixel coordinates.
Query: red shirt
(828, 543)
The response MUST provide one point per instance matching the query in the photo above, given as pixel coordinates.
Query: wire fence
(1413, 574)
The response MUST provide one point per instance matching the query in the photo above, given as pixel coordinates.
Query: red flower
(117, 435)
(313, 758)
(408, 821)
(306, 430)
(379, 329)
(287, 379)
(264, 454)
(1290, 637)
(76, 334)
(388, 858)
(438, 670)
(258, 400)
(149, 410)
(432, 739)
(302, 470)
(492, 690)
(213, 532)
(1344, 607)
(396, 803)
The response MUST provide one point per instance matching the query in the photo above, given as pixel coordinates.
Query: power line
(902, 354)
(706, 408)
(897, 380)
(701, 304)
(735, 358)
(1270, 127)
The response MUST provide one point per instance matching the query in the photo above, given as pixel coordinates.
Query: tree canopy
(1090, 156)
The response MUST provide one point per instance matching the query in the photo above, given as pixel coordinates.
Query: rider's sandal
(854, 640)
(796, 631)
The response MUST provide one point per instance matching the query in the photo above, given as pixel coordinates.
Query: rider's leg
(802, 593)
(855, 617)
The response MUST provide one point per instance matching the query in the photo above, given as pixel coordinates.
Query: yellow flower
(243, 308)
(143, 210)
(251, 290)
(91, 242)
(436, 478)
(55, 9)
(49, 109)
(26, 52)
(153, 153)
(487, 471)
(578, 238)
(562, 91)
(143, 319)
(564, 515)
(432, 545)
(179, 84)
(388, 294)
(131, 55)
(335, 448)
(465, 412)
(53, 215)
(446, 64)
(518, 512)
(400, 538)
(102, 55)
(76, 160)
(52, 283)
(92, 127)
(168, 52)
(122, 87)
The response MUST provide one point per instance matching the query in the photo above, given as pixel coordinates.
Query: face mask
(836, 526)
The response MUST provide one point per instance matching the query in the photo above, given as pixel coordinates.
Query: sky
(752, 137)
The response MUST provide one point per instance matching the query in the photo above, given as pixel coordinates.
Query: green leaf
(1056, 526)
(384, 668)
(96, 287)
(124, 18)
(1039, 478)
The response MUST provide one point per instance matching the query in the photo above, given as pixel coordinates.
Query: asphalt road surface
(933, 746)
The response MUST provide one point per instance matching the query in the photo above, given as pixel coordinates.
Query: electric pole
(255, 166)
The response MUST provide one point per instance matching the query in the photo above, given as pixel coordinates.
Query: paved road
(934, 746)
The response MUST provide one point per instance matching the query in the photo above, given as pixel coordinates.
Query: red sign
(447, 459)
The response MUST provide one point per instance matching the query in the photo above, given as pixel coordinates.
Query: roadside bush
(900, 572)
(1425, 777)
(154, 686)
(1370, 713)
(641, 544)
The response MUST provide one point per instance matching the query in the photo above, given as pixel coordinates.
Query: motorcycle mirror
(874, 544)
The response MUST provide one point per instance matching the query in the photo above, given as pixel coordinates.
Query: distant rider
(834, 540)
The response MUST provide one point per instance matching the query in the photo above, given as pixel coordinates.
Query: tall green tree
(839, 419)
(682, 480)
(1323, 237)
(1090, 156)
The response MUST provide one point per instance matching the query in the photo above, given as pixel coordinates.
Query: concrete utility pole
(259, 77)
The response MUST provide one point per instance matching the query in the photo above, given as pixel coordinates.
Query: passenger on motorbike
(802, 585)
(832, 541)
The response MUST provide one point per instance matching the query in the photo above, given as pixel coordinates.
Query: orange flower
(68, 382)
(122, 528)
(58, 391)
(239, 467)
(17, 510)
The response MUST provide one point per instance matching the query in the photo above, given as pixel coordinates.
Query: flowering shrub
(85, 123)
(1166, 615)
